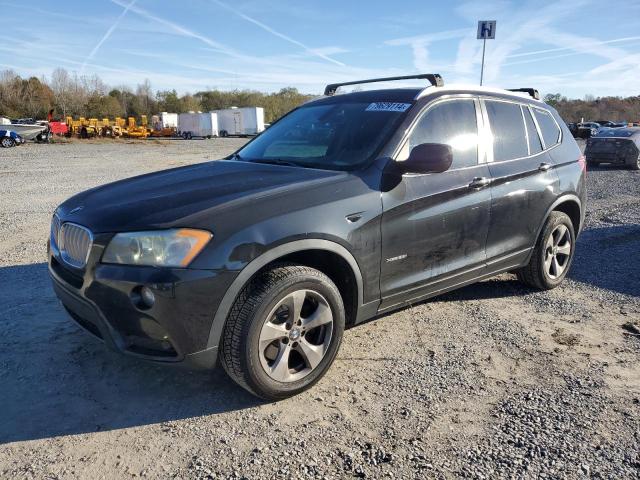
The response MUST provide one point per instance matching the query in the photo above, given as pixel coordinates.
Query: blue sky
(575, 47)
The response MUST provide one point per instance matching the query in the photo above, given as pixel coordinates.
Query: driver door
(435, 226)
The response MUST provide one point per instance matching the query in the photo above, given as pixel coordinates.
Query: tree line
(615, 109)
(88, 96)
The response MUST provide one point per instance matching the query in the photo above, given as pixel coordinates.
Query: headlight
(161, 248)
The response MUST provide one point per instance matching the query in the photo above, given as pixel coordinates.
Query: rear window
(535, 145)
(617, 132)
(548, 127)
(507, 127)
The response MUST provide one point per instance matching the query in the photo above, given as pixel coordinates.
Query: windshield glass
(336, 136)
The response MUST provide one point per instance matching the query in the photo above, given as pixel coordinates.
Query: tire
(184, 135)
(7, 142)
(635, 165)
(539, 272)
(260, 336)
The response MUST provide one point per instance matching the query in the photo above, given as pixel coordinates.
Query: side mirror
(428, 158)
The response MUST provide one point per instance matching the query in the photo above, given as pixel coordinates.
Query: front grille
(74, 244)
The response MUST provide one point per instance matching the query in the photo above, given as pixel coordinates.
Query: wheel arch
(309, 252)
(571, 207)
(569, 204)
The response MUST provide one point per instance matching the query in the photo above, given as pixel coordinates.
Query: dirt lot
(492, 380)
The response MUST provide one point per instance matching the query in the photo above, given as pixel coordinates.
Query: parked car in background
(9, 138)
(588, 129)
(573, 128)
(616, 146)
(348, 207)
(27, 128)
(605, 123)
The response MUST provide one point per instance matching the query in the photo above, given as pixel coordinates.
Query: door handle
(544, 167)
(480, 182)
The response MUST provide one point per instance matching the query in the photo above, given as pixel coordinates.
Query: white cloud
(107, 34)
(276, 33)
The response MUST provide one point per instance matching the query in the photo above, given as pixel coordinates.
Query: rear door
(434, 226)
(524, 180)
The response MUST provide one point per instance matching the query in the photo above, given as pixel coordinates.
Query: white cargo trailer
(164, 120)
(198, 124)
(168, 120)
(241, 121)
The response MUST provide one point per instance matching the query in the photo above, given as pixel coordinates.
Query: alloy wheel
(7, 142)
(295, 336)
(557, 252)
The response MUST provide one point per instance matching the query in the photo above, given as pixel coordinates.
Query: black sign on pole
(486, 31)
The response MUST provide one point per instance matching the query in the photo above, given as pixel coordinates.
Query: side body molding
(257, 263)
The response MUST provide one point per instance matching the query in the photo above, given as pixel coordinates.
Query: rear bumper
(175, 330)
(623, 153)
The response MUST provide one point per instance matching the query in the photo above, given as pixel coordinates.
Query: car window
(453, 123)
(548, 127)
(615, 132)
(507, 128)
(535, 145)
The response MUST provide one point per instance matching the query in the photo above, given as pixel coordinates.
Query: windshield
(336, 136)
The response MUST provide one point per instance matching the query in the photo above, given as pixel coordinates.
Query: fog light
(147, 296)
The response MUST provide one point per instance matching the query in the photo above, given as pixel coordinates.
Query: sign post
(486, 31)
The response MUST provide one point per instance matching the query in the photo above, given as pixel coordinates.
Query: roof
(404, 95)
(409, 95)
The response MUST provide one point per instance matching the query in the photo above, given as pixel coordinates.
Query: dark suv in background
(348, 207)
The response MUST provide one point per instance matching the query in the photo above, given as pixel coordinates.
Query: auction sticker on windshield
(387, 107)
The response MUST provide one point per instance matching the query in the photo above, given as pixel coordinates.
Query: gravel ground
(494, 380)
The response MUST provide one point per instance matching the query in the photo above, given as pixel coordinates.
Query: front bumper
(175, 329)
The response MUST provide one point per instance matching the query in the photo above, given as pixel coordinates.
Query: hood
(176, 197)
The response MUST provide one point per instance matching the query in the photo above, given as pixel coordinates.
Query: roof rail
(532, 92)
(434, 78)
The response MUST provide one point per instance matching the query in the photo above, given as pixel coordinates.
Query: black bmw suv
(348, 207)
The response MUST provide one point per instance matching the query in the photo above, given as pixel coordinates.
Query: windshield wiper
(276, 161)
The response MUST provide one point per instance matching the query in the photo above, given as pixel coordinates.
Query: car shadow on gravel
(609, 258)
(58, 380)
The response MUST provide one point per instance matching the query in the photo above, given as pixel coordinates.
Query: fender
(570, 197)
(259, 262)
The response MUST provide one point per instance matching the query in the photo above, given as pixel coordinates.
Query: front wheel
(552, 255)
(283, 332)
(7, 142)
(635, 165)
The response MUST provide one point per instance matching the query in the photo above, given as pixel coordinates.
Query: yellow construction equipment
(120, 127)
(135, 131)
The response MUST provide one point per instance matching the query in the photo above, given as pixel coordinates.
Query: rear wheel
(7, 142)
(635, 165)
(552, 255)
(283, 332)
